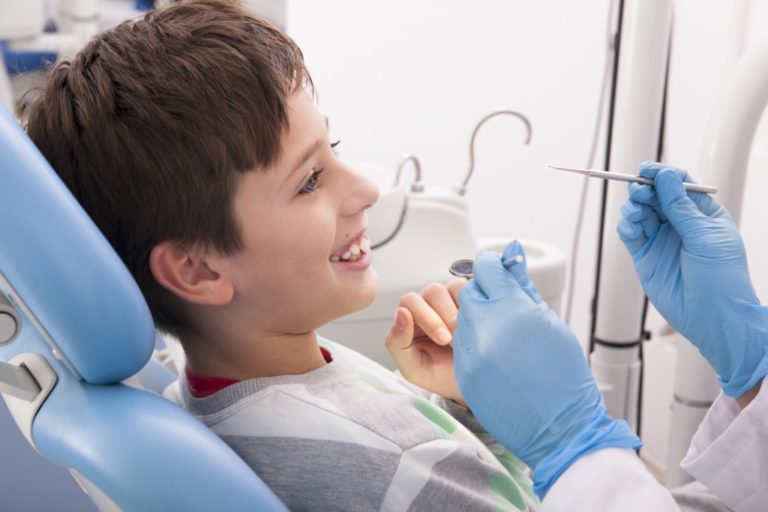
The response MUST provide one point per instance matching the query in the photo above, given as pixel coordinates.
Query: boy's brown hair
(152, 123)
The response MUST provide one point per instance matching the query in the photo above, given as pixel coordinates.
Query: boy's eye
(312, 183)
(333, 147)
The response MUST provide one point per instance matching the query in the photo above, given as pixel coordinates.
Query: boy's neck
(264, 356)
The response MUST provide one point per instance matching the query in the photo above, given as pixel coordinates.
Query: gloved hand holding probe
(691, 262)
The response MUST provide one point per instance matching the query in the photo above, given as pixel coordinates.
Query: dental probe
(463, 268)
(609, 175)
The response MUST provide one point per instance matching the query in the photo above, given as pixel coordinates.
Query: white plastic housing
(643, 55)
(79, 17)
(636, 125)
(20, 20)
(731, 129)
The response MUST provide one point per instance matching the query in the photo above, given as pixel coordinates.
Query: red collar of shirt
(201, 386)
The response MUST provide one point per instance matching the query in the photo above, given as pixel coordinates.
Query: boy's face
(298, 218)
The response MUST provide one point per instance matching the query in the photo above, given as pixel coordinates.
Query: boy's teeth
(355, 251)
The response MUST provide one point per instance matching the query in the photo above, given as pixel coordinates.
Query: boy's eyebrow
(305, 155)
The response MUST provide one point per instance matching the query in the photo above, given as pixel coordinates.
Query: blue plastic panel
(23, 61)
(144, 452)
(63, 268)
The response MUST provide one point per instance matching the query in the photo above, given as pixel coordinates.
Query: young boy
(191, 138)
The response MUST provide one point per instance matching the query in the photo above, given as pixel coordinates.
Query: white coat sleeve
(608, 480)
(729, 452)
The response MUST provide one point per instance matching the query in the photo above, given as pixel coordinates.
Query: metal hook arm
(461, 189)
(417, 185)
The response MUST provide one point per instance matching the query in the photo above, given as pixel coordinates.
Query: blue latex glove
(691, 262)
(524, 374)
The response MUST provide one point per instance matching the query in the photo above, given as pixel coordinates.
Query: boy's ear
(186, 273)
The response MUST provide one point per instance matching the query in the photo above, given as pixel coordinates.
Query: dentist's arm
(691, 262)
(525, 377)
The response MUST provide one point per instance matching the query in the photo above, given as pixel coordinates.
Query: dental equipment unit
(610, 175)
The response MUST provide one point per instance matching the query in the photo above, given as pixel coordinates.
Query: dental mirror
(463, 268)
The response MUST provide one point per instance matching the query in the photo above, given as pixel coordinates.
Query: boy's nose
(363, 194)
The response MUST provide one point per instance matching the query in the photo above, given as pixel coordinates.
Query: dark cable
(604, 196)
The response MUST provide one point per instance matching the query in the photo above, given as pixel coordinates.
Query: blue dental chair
(73, 326)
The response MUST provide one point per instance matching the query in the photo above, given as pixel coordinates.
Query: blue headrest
(63, 269)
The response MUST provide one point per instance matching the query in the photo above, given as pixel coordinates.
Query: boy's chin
(371, 290)
(365, 296)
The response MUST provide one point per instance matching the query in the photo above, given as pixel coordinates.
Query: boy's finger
(400, 336)
(426, 317)
(440, 299)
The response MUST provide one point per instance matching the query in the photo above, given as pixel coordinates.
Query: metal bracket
(417, 185)
(17, 381)
(22, 410)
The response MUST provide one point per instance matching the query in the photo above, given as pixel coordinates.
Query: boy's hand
(421, 339)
